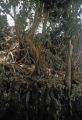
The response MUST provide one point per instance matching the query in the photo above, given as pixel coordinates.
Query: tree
(28, 14)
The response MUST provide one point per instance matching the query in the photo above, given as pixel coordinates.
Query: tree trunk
(68, 79)
(76, 54)
(30, 36)
(45, 19)
(17, 28)
(69, 69)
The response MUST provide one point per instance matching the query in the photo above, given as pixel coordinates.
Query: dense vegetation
(39, 76)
